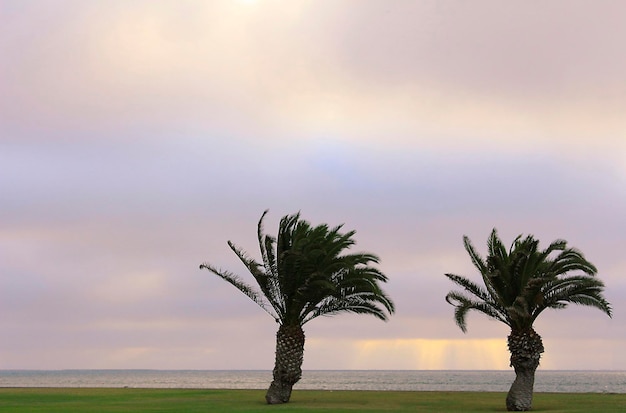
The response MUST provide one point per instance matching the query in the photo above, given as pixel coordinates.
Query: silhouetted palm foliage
(524, 281)
(305, 273)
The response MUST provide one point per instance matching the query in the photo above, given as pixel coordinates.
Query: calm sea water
(407, 380)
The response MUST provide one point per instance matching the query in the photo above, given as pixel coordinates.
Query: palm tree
(305, 273)
(519, 285)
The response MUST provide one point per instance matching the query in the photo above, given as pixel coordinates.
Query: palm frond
(364, 303)
(582, 290)
(477, 260)
(266, 245)
(268, 255)
(463, 304)
(470, 286)
(263, 279)
(245, 288)
(571, 260)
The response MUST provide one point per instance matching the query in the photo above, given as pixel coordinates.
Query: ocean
(402, 380)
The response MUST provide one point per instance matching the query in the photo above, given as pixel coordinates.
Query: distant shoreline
(559, 381)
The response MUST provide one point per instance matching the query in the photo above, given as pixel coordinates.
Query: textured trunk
(525, 348)
(288, 364)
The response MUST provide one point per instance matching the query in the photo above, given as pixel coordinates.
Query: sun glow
(426, 354)
(413, 354)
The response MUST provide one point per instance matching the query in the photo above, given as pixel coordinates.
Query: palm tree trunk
(525, 347)
(288, 364)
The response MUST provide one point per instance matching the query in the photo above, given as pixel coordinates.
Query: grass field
(75, 400)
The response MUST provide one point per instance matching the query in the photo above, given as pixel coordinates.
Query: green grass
(74, 400)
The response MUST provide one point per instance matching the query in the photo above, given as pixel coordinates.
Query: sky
(137, 137)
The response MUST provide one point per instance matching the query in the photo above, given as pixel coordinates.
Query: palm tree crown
(304, 273)
(522, 282)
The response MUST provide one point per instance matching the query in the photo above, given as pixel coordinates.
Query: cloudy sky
(138, 136)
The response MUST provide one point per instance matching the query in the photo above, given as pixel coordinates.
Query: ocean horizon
(559, 381)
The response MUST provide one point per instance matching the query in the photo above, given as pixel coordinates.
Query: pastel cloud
(137, 137)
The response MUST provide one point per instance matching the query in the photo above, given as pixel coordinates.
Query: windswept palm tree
(305, 273)
(519, 284)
